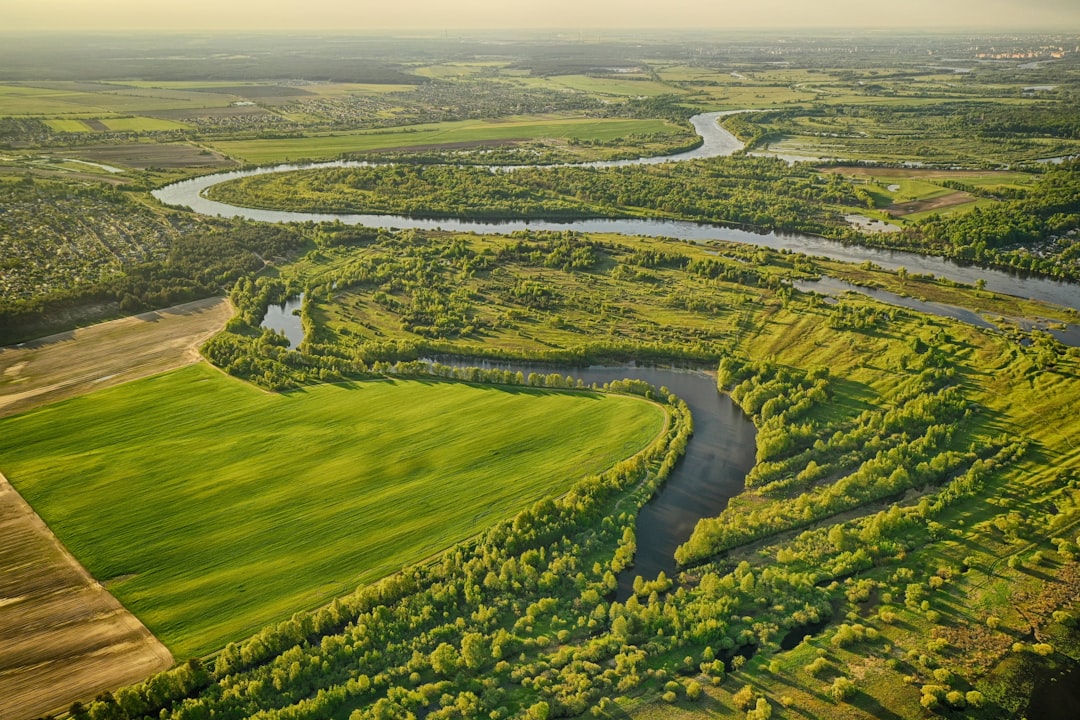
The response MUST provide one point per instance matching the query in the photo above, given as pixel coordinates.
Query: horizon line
(1009, 29)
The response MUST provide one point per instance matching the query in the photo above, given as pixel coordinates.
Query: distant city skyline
(430, 15)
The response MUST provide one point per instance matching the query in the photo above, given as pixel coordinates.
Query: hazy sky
(342, 15)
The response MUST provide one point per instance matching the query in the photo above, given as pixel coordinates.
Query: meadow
(322, 146)
(210, 508)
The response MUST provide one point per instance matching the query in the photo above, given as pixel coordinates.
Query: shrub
(842, 689)
(956, 699)
(744, 698)
(762, 710)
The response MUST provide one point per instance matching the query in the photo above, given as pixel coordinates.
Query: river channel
(715, 142)
(718, 457)
(722, 449)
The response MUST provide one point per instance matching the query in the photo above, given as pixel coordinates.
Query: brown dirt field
(145, 155)
(95, 125)
(80, 361)
(65, 638)
(916, 206)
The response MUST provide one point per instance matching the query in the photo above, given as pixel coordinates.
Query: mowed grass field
(211, 508)
(332, 145)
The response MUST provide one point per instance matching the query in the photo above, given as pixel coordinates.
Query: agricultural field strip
(64, 635)
(87, 359)
(328, 145)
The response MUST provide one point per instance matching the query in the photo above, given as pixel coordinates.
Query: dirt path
(64, 637)
(81, 361)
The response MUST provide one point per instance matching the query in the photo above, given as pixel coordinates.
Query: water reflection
(285, 319)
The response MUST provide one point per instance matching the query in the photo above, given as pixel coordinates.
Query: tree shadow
(872, 707)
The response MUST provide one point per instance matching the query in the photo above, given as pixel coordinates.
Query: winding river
(721, 451)
(716, 142)
(713, 470)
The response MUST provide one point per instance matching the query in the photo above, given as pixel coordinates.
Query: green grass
(68, 126)
(228, 87)
(17, 100)
(210, 508)
(628, 87)
(330, 145)
(36, 101)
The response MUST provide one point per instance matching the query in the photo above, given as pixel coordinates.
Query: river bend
(716, 142)
(722, 450)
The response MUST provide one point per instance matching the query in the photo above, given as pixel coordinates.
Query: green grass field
(331, 145)
(210, 508)
(22, 100)
(68, 125)
(628, 87)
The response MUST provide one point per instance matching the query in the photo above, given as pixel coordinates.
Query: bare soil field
(938, 203)
(95, 125)
(145, 155)
(65, 637)
(87, 359)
